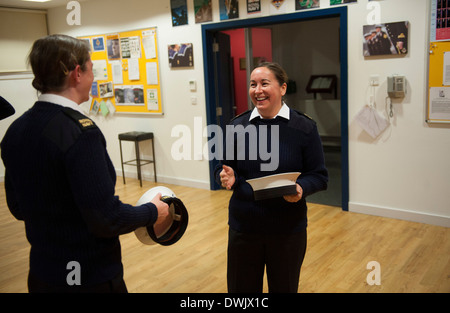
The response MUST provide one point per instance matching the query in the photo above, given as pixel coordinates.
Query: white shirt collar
(284, 112)
(63, 101)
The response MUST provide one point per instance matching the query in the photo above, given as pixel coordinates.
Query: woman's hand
(296, 197)
(227, 178)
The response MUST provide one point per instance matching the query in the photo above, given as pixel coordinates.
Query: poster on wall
(203, 11)
(306, 4)
(277, 6)
(253, 6)
(228, 9)
(181, 55)
(179, 12)
(129, 95)
(385, 39)
(439, 108)
(334, 2)
(130, 47)
(113, 47)
(98, 44)
(440, 20)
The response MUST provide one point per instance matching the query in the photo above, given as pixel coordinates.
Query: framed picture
(385, 39)
(179, 12)
(181, 55)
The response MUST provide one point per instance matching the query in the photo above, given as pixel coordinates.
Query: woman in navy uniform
(270, 233)
(60, 180)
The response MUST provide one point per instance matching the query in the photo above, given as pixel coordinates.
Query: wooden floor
(413, 257)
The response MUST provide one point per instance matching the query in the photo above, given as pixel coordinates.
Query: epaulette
(82, 121)
(240, 115)
(305, 115)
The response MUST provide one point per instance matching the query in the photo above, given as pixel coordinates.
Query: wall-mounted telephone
(396, 86)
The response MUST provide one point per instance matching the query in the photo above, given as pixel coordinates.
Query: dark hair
(53, 57)
(277, 71)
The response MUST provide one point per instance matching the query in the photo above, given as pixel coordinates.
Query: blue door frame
(208, 31)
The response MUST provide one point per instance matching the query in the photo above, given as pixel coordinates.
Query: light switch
(192, 85)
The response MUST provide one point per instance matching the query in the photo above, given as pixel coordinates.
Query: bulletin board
(438, 110)
(438, 106)
(126, 72)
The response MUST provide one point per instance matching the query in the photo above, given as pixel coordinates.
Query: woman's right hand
(227, 177)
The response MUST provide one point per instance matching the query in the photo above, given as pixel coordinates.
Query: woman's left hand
(296, 197)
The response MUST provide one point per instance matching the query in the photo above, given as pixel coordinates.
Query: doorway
(336, 147)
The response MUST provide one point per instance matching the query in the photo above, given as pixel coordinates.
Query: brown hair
(277, 70)
(53, 57)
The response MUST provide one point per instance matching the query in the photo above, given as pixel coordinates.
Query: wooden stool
(138, 162)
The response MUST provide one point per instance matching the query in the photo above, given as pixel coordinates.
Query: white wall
(403, 174)
(18, 30)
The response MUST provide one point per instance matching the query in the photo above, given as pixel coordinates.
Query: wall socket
(374, 80)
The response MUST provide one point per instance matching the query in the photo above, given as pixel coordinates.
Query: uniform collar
(56, 99)
(284, 112)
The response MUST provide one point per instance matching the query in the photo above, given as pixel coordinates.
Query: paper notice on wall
(133, 69)
(152, 73)
(148, 41)
(130, 47)
(116, 67)
(439, 108)
(100, 70)
(152, 99)
(446, 69)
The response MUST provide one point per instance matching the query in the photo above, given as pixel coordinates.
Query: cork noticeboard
(126, 72)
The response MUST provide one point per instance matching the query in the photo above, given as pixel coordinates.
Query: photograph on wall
(181, 55)
(253, 6)
(106, 89)
(129, 95)
(334, 2)
(113, 47)
(179, 12)
(203, 11)
(385, 39)
(306, 4)
(440, 20)
(228, 9)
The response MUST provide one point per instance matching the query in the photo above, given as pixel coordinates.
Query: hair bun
(37, 84)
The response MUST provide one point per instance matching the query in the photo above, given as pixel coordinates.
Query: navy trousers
(249, 254)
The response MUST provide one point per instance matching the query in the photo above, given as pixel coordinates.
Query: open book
(273, 186)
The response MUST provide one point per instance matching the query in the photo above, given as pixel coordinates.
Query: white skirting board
(166, 179)
(161, 179)
(412, 216)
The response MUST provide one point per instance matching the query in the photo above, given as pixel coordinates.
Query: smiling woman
(271, 233)
(268, 83)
